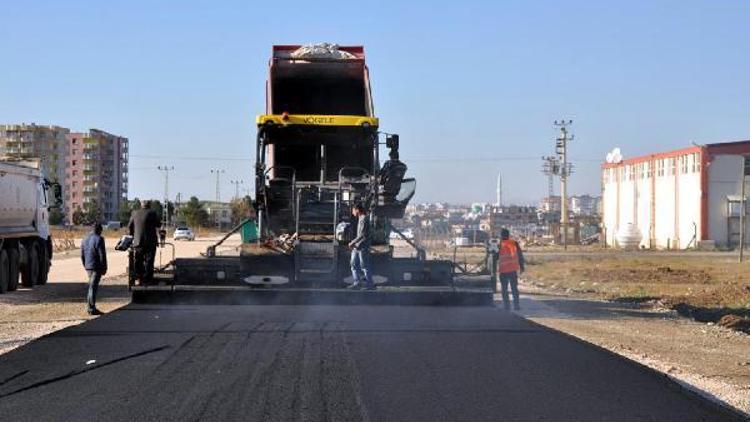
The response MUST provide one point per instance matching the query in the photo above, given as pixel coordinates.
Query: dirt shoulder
(28, 314)
(706, 288)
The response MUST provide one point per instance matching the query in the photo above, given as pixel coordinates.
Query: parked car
(183, 233)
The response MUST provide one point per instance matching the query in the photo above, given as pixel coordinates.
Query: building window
(670, 166)
(696, 162)
(660, 168)
(74, 162)
(684, 164)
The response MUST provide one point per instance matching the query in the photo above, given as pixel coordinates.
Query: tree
(157, 206)
(56, 216)
(242, 208)
(194, 213)
(126, 209)
(92, 213)
(78, 217)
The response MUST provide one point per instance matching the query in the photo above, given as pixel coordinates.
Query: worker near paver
(360, 247)
(391, 175)
(510, 264)
(94, 258)
(143, 226)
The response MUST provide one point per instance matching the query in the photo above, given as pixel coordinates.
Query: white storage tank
(629, 236)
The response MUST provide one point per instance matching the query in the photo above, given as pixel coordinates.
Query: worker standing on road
(510, 263)
(360, 247)
(94, 258)
(143, 226)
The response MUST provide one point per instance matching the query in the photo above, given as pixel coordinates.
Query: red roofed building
(677, 199)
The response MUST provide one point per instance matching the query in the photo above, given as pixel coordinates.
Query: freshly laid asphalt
(344, 363)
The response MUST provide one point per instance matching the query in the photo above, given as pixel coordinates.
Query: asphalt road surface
(345, 363)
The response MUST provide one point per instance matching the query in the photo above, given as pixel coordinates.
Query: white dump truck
(26, 198)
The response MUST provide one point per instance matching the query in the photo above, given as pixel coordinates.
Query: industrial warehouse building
(678, 199)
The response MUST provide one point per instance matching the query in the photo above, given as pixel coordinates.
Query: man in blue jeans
(94, 258)
(360, 248)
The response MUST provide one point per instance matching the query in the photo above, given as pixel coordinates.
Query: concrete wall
(610, 203)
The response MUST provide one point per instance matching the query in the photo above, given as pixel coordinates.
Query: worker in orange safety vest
(509, 265)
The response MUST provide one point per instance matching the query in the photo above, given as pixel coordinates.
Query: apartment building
(30, 141)
(585, 205)
(96, 170)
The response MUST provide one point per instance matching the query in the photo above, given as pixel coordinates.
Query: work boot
(353, 286)
(516, 307)
(94, 312)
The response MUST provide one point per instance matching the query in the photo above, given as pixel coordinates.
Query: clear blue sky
(472, 81)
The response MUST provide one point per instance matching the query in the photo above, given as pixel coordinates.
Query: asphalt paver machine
(318, 154)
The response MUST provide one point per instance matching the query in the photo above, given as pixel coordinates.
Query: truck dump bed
(318, 85)
(19, 190)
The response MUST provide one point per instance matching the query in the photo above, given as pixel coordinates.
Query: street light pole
(236, 184)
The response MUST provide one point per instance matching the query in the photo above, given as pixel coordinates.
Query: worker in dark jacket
(510, 264)
(391, 175)
(94, 258)
(360, 247)
(143, 226)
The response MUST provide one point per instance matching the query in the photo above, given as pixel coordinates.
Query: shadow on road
(540, 306)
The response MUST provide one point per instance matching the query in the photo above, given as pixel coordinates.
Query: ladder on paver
(316, 262)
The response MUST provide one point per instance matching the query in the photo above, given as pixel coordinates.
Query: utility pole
(550, 168)
(561, 147)
(165, 208)
(236, 184)
(218, 173)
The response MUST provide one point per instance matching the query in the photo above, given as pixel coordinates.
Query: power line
(410, 159)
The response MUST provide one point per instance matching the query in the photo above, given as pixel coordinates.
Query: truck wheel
(15, 263)
(43, 266)
(30, 274)
(4, 271)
